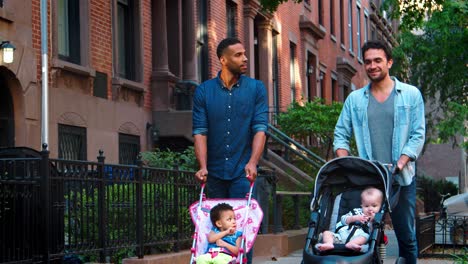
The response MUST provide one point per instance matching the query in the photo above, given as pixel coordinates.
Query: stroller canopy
(352, 172)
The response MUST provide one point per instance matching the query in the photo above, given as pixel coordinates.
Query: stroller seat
(342, 204)
(248, 214)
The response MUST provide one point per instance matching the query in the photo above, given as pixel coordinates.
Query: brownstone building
(121, 72)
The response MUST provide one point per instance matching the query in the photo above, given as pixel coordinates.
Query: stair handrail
(285, 141)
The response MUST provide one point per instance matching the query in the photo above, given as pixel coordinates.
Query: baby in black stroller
(354, 227)
(338, 188)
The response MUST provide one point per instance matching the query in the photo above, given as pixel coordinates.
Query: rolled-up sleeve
(199, 115)
(260, 119)
(343, 129)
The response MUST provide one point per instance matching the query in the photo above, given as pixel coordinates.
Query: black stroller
(338, 186)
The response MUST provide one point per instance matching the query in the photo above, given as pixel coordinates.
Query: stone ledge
(266, 246)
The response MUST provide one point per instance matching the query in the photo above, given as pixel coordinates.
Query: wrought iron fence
(444, 236)
(82, 211)
(53, 209)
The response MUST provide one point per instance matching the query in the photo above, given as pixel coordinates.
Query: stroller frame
(346, 175)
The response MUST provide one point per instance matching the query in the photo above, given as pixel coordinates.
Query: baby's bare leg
(327, 241)
(356, 243)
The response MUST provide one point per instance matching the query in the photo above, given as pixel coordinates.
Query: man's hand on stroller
(251, 171)
(201, 175)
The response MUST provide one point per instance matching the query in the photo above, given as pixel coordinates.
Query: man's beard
(377, 78)
(236, 70)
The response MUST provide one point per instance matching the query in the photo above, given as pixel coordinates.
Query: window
(332, 17)
(68, 30)
(129, 148)
(292, 70)
(320, 12)
(342, 27)
(202, 42)
(275, 72)
(231, 13)
(100, 85)
(350, 25)
(126, 39)
(366, 26)
(72, 142)
(358, 31)
(334, 88)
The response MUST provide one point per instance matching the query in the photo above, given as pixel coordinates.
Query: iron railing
(53, 209)
(59, 210)
(444, 236)
(290, 146)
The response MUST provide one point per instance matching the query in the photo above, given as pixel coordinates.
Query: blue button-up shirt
(408, 130)
(229, 119)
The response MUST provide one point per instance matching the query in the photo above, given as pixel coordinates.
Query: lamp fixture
(310, 69)
(7, 51)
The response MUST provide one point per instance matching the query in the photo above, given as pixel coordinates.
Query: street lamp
(7, 49)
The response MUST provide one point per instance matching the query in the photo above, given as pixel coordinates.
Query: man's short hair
(224, 44)
(377, 44)
(215, 213)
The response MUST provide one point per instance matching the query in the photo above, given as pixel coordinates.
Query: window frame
(81, 64)
(65, 130)
(292, 69)
(135, 57)
(128, 139)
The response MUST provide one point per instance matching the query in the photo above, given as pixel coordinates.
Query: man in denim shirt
(387, 120)
(230, 117)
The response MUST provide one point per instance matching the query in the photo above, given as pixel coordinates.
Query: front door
(7, 122)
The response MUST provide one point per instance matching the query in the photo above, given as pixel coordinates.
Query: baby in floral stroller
(225, 229)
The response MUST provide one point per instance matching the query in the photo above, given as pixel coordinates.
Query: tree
(312, 119)
(412, 13)
(436, 60)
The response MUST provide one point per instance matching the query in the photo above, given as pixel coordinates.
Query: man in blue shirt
(387, 120)
(230, 117)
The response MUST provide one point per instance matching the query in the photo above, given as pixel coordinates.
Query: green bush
(168, 159)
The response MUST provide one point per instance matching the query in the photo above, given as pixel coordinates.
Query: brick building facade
(121, 71)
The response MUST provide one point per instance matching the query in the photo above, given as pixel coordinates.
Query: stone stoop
(266, 246)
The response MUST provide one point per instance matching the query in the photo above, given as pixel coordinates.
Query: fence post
(296, 212)
(176, 175)
(45, 172)
(101, 207)
(278, 221)
(139, 205)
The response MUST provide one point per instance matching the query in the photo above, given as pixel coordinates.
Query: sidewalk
(392, 254)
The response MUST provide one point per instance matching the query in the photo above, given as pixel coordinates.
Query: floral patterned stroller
(248, 214)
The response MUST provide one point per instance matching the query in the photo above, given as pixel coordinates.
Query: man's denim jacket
(408, 131)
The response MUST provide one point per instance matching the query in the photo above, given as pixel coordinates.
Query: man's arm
(258, 146)
(343, 131)
(201, 155)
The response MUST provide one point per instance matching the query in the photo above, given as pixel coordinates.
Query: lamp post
(7, 50)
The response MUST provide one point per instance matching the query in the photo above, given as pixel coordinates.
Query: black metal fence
(70, 211)
(57, 210)
(444, 236)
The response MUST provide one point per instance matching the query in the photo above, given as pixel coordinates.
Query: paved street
(392, 253)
